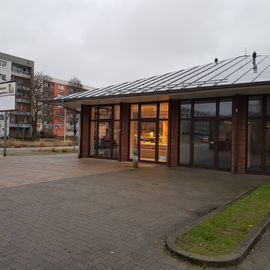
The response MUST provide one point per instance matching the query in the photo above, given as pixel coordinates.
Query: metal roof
(231, 72)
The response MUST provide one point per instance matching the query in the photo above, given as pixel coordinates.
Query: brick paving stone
(58, 212)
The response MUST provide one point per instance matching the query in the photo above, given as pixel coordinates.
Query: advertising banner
(7, 96)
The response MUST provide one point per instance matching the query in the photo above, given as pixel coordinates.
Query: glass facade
(105, 131)
(206, 133)
(185, 135)
(258, 134)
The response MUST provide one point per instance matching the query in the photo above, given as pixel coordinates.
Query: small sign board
(7, 96)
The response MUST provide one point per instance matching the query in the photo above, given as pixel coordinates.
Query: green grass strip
(222, 233)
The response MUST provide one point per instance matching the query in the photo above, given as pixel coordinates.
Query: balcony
(22, 125)
(22, 87)
(22, 100)
(21, 74)
(20, 113)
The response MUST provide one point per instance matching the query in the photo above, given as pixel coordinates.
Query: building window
(3, 77)
(3, 63)
(258, 134)
(61, 87)
(105, 131)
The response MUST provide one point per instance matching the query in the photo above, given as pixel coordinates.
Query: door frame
(215, 119)
(156, 120)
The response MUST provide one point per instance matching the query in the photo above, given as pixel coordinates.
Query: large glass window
(105, 112)
(185, 126)
(105, 131)
(149, 111)
(104, 139)
(148, 141)
(255, 106)
(255, 140)
(206, 133)
(116, 139)
(258, 139)
(93, 146)
(150, 121)
(225, 144)
(205, 108)
(204, 143)
(163, 110)
(185, 109)
(225, 108)
(163, 141)
(267, 147)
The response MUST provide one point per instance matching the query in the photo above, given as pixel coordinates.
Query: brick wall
(239, 134)
(124, 137)
(173, 147)
(85, 132)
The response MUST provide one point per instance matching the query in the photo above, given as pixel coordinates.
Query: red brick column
(85, 132)
(124, 126)
(173, 147)
(239, 134)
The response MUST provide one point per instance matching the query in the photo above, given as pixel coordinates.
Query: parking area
(59, 212)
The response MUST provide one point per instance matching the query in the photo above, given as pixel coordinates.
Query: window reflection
(185, 110)
(116, 139)
(255, 106)
(205, 109)
(105, 131)
(268, 106)
(225, 144)
(225, 108)
(267, 148)
(185, 141)
(93, 138)
(255, 139)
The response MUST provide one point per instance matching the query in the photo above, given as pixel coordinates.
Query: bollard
(135, 158)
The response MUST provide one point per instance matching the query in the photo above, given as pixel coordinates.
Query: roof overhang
(166, 95)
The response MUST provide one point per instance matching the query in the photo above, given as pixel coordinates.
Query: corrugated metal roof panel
(234, 71)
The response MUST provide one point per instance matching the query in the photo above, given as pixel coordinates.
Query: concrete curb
(219, 261)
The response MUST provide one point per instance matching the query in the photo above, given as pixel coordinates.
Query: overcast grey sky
(109, 41)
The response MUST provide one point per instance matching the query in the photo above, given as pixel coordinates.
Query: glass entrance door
(104, 139)
(148, 141)
(204, 144)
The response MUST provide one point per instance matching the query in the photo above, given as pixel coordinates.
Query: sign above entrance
(7, 96)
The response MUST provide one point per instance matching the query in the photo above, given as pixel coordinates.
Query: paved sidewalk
(58, 212)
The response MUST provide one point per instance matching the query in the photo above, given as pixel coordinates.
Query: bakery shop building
(214, 116)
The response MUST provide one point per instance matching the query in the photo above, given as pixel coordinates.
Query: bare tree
(39, 92)
(75, 86)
